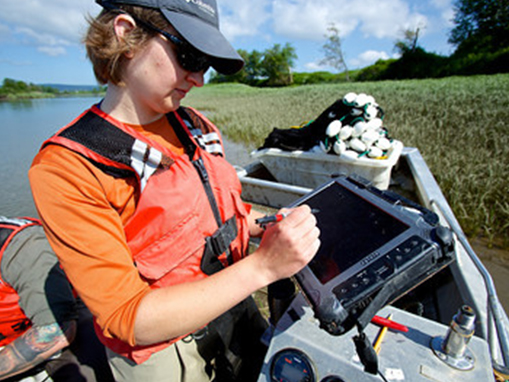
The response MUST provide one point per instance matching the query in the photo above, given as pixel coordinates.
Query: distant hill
(71, 88)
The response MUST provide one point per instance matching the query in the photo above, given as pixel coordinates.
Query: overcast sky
(40, 40)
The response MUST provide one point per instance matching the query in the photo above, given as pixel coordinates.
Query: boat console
(300, 351)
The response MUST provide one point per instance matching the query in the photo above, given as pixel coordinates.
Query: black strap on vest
(220, 241)
(100, 136)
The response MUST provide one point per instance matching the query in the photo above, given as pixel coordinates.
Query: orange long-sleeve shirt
(83, 211)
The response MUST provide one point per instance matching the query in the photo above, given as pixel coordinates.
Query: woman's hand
(288, 246)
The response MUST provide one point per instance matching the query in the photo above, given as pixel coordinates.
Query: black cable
(382, 376)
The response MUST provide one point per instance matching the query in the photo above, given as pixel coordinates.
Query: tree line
(480, 35)
(269, 68)
(14, 87)
(481, 38)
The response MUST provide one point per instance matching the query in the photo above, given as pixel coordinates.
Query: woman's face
(154, 79)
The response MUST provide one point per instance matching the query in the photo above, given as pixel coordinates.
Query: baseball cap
(197, 21)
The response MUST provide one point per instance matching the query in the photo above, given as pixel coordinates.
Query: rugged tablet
(372, 242)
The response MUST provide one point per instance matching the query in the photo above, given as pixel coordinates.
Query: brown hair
(106, 51)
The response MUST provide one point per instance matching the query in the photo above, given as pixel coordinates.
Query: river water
(24, 126)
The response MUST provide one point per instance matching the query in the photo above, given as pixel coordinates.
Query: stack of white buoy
(358, 133)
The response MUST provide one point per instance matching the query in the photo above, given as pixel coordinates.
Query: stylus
(263, 221)
(388, 323)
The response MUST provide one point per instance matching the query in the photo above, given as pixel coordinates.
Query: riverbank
(41, 95)
(496, 261)
(25, 96)
(13, 90)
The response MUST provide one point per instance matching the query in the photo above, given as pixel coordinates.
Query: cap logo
(203, 6)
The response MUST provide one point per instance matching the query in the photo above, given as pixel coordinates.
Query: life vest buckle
(217, 244)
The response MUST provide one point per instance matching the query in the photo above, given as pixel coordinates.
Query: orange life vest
(13, 322)
(189, 221)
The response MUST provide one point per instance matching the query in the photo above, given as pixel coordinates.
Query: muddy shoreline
(496, 261)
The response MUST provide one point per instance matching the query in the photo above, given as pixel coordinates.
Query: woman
(139, 204)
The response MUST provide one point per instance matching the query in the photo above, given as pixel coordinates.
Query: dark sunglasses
(189, 58)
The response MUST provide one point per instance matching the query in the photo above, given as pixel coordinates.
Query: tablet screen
(351, 229)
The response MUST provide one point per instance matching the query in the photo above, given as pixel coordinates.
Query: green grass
(459, 124)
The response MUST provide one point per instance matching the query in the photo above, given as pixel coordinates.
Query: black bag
(308, 136)
(231, 344)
